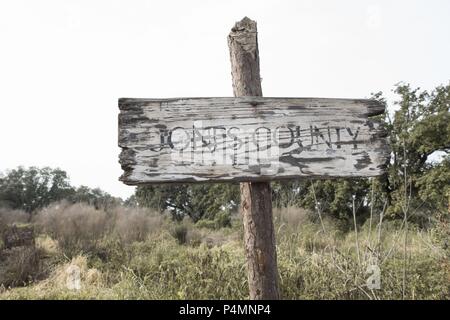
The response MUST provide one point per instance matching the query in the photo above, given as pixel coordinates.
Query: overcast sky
(64, 64)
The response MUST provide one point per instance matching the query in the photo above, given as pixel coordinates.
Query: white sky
(64, 64)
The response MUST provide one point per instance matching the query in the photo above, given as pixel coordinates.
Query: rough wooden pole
(256, 201)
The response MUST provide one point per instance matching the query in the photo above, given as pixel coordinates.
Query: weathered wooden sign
(249, 139)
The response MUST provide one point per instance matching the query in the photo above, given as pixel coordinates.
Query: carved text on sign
(254, 138)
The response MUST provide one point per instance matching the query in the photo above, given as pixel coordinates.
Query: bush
(221, 220)
(13, 236)
(10, 216)
(194, 237)
(206, 223)
(19, 265)
(135, 224)
(77, 227)
(33, 188)
(179, 232)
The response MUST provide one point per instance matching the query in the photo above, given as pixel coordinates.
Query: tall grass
(80, 228)
(138, 254)
(10, 217)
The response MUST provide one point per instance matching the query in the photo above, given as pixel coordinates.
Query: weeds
(137, 254)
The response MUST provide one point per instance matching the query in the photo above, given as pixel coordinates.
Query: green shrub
(179, 232)
(221, 220)
(206, 223)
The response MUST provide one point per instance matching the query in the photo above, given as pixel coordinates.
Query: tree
(196, 201)
(94, 197)
(419, 129)
(434, 186)
(33, 188)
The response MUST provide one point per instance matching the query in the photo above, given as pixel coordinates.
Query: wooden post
(256, 201)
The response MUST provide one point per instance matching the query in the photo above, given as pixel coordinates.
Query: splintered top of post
(244, 57)
(245, 25)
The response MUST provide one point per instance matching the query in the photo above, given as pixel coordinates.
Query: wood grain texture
(256, 197)
(249, 139)
(244, 57)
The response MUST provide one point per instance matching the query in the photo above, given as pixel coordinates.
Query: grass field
(127, 253)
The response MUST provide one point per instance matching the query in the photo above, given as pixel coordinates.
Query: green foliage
(179, 232)
(206, 223)
(33, 188)
(434, 186)
(197, 201)
(334, 197)
(221, 220)
(288, 193)
(419, 128)
(94, 197)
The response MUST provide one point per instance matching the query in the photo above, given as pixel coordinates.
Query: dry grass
(81, 228)
(61, 277)
(10, 217)
(135, 224)
(76, 227)
(137, 254)
(20, 266)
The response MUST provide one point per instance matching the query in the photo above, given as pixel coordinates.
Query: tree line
(30, 189)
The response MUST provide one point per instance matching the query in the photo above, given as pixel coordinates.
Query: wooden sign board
(249, 139)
